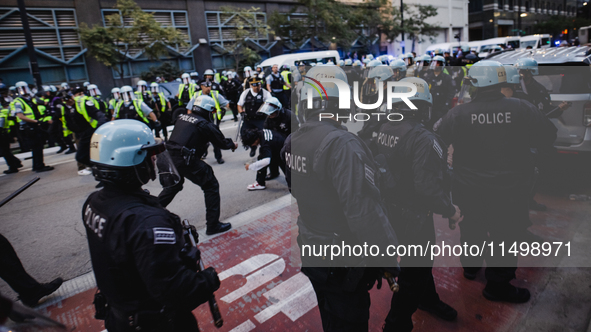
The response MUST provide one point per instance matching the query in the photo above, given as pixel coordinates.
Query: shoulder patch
(164, 235)
(437, 149)
(369, 174)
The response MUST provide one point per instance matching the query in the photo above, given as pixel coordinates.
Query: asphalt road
(44, 223)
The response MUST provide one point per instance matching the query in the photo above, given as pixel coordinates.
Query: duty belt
(186, 153)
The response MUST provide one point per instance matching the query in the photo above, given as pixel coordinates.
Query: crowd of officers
(380, 186)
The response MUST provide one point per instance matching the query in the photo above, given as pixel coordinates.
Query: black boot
(220, 227)
(470, 272)
(32, 299)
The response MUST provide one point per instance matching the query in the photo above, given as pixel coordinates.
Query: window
(169, 18)
(57, 44)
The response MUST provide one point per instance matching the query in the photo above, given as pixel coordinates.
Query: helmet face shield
(159, 164)
(117, 95)
(155, 88)
(128, 96)
(268, 109)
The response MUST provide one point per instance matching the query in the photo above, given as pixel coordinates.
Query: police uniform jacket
(134, 248)
(193, 131)
(281, 123)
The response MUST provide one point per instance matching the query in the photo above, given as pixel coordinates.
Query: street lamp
(523, 15)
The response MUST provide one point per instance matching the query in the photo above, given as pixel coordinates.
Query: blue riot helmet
(125, 153)
(270, 106)
(527, 64)
(314, 100)
(399, 67)
(422, 100)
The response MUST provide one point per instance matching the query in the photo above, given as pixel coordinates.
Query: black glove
(157, 126)
(190, 256)
(212, 278)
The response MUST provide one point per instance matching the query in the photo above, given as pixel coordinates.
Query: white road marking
(294, 297)
(244, 327)
(248, 266)
(256, 280)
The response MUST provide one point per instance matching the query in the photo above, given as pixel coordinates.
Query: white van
(536, 41)
(452, 48)
(295, 58)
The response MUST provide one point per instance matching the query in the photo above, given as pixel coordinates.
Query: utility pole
(33, 64)
(519, 18)
(451, 30)
(402, 24)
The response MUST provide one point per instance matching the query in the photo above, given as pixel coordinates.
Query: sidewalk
(264, 290)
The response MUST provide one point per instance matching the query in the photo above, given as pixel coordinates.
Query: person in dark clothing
(533, 91)
(271, 143)
(421, 186)
(442, 89)
(233, 88)
(187, 143)
(249, 103)
(145, 271)
(275, 83)
(280, 120)
(333, 178)
(5, 127)
(29, 290)
(492, 137)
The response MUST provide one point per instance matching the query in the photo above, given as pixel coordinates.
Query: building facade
(501, 18)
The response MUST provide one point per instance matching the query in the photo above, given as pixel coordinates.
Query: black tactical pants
(83, 152)
(12, 161)
(13, 272)
(417, 285)
(252, 124)
(492, 215)
(341, 311)
(276, 163)
(35, 139)
(217, 151)
(201, 174)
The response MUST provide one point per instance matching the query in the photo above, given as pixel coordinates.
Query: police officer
(131, 108)
(259, 72)
(142, 92)
(441, 87)
(81, 117)
(422, 65)
(161, 106)
(286, 75)
(115, 92)
(400, 69)
(233, 89)
(333, 178)
(221, 106)
(249, 103)
(145, 271)
(95, 96)
(247, 73)
(208, 75)
(30, 121)
(271, 143)
(409, 60)
(5, 126)
(186, 90)
(492, 136)
(421, 186)
(276, 84)
(187, 143)
(533, 91)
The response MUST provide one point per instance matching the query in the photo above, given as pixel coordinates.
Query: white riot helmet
(186, 78)
(65, 86)
(127, 93)
(142, 86)
(208, 72)
(116, 93)
(270, 106)
(325, 98)
(247, 71)
(86, 84)
(22, 88)
(155, 87)
(93, 90)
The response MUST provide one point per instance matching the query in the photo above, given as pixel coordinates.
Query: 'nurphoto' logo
(345, 97)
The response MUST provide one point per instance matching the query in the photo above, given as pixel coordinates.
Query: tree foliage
(131, 29)
(556, 24)
(248, 26)
(341, 23)
(166, 70)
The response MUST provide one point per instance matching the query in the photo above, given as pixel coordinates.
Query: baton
(239, 127)
(193, 237)
(394, 287)
(18, 191)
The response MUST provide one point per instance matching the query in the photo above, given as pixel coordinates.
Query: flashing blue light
(557, 42)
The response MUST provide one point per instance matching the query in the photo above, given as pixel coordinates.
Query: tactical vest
(31, 111)
(131, 111)
(77, 118)
(140, 96)
(276, 82)
(4, 115)
(320, 210)
(285, 74)
(162, 101)
(253, 103)
(185, 95)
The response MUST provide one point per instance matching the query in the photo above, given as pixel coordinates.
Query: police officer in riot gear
(145, 271)
(95, 94)
(421, 186)
(233, 88)
(142, 92)
(441, 87)
(187, 143)
(276, 83)
(249, 103)
(131, 108)
(492, 136)
(278, 120)
(399, 68)
(186, 90)
(161, 107)
(81, 117)
(208, 75)
(533, 91)
(31, 119)
(333, 178)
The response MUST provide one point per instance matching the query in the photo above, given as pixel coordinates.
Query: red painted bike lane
(263, 289)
